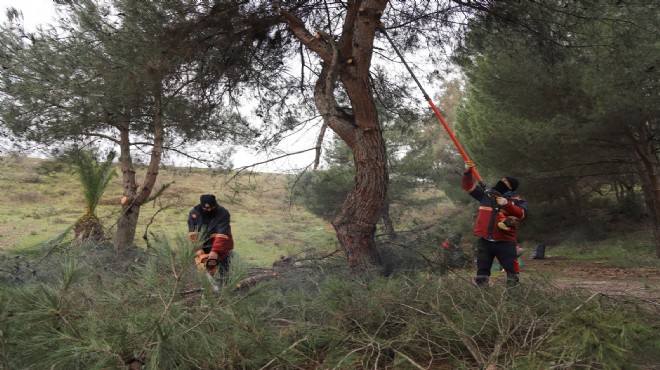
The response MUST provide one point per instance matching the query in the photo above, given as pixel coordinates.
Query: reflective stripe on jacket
(490, 213)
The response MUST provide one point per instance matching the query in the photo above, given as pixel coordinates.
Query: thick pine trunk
(358, 215)
(355, 221)
(348, 59)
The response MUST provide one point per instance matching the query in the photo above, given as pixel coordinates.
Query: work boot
(512, 279)
(481, 281)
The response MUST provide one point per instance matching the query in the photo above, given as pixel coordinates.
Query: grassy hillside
(39, 203)
(41, 200)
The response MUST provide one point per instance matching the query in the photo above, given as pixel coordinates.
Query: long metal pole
(436, 111)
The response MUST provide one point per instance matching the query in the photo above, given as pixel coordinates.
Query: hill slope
(41, 200)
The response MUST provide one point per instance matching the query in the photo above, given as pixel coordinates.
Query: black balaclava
(208, 200)
(501, 187)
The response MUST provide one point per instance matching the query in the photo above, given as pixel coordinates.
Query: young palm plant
(94, 177)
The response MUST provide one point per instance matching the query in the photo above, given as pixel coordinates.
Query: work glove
(468, 166)
(508, 223)
(212, 262)
(502, 201)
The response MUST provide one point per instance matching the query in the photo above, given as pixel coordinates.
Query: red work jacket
(491, 213)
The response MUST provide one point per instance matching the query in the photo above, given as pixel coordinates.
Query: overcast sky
(34, 11)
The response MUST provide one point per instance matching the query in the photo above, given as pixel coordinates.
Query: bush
(323, 191)
(422, 250)
(32, 179)
(594, 336)
(50, 167)
(27, 197)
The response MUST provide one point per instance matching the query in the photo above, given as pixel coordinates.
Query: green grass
(265, 224)
(625, 250)
(37, 207)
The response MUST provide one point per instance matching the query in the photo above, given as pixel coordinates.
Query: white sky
(34, 11)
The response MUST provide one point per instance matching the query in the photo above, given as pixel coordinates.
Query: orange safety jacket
(490, 213)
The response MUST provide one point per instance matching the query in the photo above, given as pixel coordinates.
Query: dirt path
(597, 277)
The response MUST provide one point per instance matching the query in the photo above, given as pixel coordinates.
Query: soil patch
(597, 277)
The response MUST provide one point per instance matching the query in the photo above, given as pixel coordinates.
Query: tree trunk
(387, 221)
(128, 218)
(348, 60)
(133, 199)
(355, 221)
(647, 169)
(126, 226)
(649, 201)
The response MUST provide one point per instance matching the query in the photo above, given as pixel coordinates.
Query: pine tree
(140, 76)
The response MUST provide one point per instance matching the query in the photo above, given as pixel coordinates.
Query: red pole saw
(436, 111)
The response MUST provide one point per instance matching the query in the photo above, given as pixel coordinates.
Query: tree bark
(127, 220)
(387, 221)
(133, 198)
(647, 168)
(348, 60)
(355, 221)
(126, 226)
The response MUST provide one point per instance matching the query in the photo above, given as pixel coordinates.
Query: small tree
(94, 178)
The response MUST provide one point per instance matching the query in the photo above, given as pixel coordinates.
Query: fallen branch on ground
(254, 280)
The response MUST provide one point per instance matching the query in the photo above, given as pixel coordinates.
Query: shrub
(596, 335)
(102, 309)
(32, 179)
(50, 167)
(27, 197)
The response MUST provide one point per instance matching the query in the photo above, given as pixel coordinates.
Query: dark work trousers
(487, 251)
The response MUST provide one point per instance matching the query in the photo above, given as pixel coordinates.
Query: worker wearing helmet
(209, 224)
(500, 211)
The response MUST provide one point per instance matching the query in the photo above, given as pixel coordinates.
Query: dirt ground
(643, 283)
(596, 277)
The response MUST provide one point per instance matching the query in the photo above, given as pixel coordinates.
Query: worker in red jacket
(500, 211)
(209, 224)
